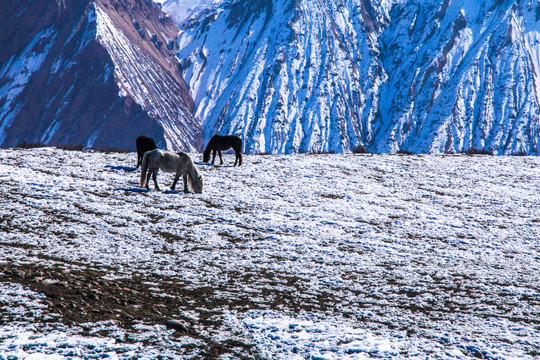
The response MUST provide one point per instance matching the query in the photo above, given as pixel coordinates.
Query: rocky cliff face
(462, 76)
(93, 73)
(390, 75)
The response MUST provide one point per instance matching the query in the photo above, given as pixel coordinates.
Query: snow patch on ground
(306, 256)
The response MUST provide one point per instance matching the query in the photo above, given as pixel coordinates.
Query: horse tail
(144, 167)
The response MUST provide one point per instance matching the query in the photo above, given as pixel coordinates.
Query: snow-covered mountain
(97, 73)
(180, 10)
(464, 76)
(331, 75)
(287, 76)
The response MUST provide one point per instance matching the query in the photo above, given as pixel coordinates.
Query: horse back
(144, 144)
(225, 142)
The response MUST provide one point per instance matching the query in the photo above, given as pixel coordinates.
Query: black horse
(223, 142)
(144, 144)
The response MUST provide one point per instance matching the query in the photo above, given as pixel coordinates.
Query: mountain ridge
(390, 76)
(287, 76)
(63, 79)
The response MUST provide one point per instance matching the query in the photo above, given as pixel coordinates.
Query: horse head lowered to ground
(179, 163)
(223, 142)
(144, 144)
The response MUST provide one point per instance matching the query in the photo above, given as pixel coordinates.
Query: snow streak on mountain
(390, 75)
(463, 77)
(180, 10)
(285, 76)
(93, 73)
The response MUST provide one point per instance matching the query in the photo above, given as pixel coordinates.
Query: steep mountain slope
(293, 76)
(93, 73)
(461, 77)
(286, 76)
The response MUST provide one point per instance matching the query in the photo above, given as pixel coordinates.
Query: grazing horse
(144, 144)
(179, 163)
(223, 142)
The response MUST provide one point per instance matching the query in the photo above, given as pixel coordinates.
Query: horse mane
(190, 181)
(185, 158)
(190, 167)
(209, 146)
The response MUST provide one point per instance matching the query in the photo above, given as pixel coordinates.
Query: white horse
(179, 163)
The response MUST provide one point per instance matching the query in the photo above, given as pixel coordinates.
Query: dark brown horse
(144, 144)
(219, 143)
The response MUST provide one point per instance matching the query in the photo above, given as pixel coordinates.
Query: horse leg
(220, 157)
(214, 157)
(154, 175)
(238, 155)
(148, 179)
(175, 181)
(184, 177)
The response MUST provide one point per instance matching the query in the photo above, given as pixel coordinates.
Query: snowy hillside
(429, 77)
(92, 73)
(286, 257)
(180, 10)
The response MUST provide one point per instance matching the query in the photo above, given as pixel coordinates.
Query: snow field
(305, 256)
